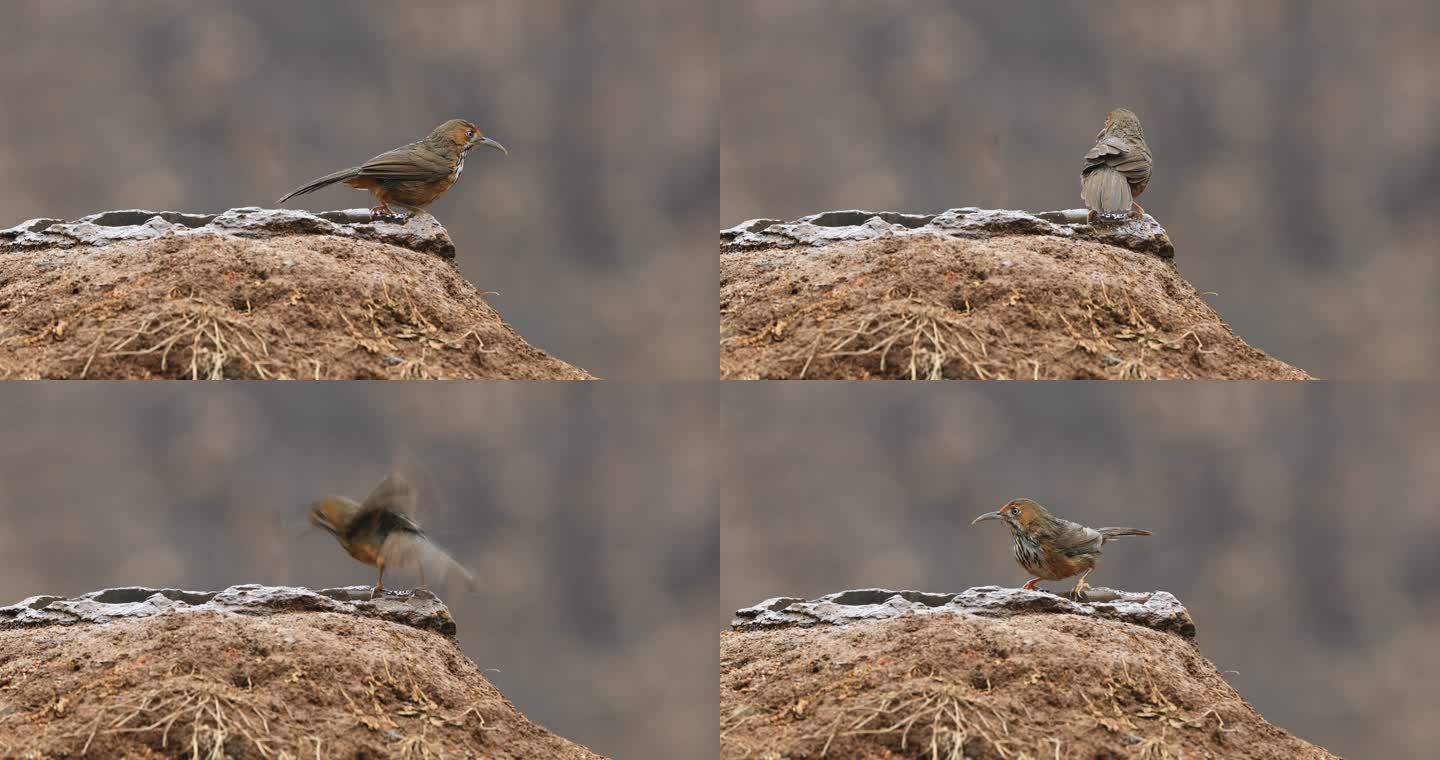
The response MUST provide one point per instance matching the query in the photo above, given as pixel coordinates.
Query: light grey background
(1299, 523)
(1296, 155)
(588, 513)
(597, 231)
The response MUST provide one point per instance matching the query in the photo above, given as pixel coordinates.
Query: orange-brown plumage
(1051, 548)
(410, 176)
(382, 531)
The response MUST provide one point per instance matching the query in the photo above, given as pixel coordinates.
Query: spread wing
(394, 493)
(1120, 154)
(411, 162)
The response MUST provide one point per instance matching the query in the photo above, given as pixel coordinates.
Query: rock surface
(420, 609)
(1159, 610)
(420, 233)
(251, 672)
(1141, 234)
(989, 673)
(968, 294)
(249, 294)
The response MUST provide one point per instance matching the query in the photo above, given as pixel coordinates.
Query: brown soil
(291, 306)
(947, 687)
(1003, 307)
(216, 685)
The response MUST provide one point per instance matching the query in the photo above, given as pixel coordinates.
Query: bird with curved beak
(382, 531)
(411, 176)
(1051, 548)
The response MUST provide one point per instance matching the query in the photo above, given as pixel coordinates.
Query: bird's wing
(412, 162)
(395, 494)
(415, 553)
(1077, 539)
(1125, 158)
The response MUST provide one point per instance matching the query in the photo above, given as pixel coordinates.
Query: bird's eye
(1014, 510)
(469, 134)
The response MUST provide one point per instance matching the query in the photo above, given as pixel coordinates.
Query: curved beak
(493, 144)
(984, 517)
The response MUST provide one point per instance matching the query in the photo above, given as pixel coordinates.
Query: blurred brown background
(1297, 159)
(1299, 524)
(594, 230)
(589, 518)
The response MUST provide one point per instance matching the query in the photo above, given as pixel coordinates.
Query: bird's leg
(1031, 585)
(381, 209)
(422, 577)
(1080, 586)
(379, 582)
(1136, 209)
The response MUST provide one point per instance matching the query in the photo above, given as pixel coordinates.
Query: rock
(1158, 610)
(250, 293)
(1142, 234)
(419, 233)
(420, 609)
(250, 672)
(985, 673)
(970, 294)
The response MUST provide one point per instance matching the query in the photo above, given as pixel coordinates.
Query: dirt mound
(250, 672)
(987, 674)
(249, 294)
(968, 294)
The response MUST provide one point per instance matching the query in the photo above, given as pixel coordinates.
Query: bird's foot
(383, 213)
(1079, 592)
(378, 591)
(1032, 585)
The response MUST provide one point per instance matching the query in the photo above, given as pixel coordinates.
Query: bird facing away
(410, 176)
(1051, 548)
(382, 532)
(1117, 168)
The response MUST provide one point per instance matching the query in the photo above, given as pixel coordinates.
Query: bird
(382, 531)
(410, 176)
(1051, 548)
(1117, 168)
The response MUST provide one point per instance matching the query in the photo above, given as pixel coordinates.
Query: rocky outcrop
(249, 294)
(1159, 610)
(419, 609)
(985, 673)
(968, 294)
(250, 672)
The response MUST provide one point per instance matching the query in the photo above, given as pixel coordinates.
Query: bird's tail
(328, 179)
(1111, 533)
(1106, 191)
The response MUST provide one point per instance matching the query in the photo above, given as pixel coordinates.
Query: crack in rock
(1142, 234)
(1158, 610)
(421, 233)
(418, 609)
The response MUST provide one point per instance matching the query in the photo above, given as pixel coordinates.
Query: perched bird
(383, 532)
(1117, 169)
(411, 176)
(1052, 548)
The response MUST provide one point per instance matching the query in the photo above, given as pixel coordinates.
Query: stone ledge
(418, 609)
(420, 233)
(1142, 234)
(1158, 610)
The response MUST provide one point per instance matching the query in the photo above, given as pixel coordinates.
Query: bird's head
(332, 513)
(464, 135)
(1021, 515)
(1122, 121)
